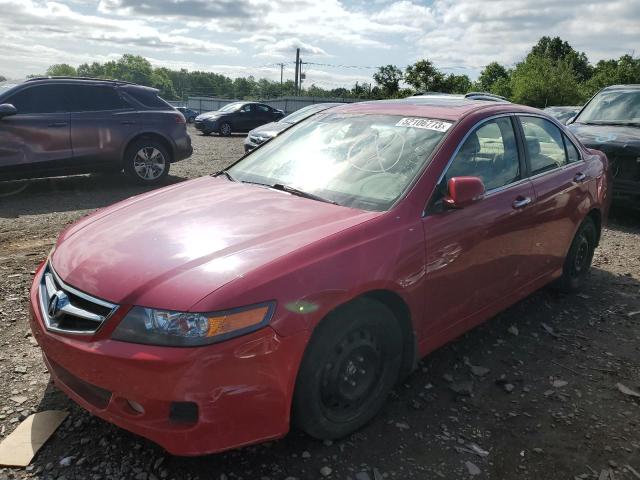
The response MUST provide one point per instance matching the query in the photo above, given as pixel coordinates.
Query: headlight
(185, 329)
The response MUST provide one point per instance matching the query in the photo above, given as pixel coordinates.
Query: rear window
(148, 98)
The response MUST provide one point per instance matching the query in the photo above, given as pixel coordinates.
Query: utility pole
(297, 68)
(302, 76)
(281, 73)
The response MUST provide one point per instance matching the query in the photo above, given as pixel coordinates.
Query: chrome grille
(66, 309)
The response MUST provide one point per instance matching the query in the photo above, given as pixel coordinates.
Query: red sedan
(298, 286)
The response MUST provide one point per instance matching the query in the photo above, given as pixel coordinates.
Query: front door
(478, 255)
(37, 139)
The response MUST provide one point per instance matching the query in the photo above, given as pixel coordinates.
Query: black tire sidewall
(308, 411)
(129, 158)
(225, 134)
(570, 282)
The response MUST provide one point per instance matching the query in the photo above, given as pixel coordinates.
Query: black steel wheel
(350, 366)
(577, 264)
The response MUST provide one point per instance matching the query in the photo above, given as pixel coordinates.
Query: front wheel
(225, 129)
(146, 162)
(578, 261)
(351, 364)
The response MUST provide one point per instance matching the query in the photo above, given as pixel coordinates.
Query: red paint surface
(211, 244)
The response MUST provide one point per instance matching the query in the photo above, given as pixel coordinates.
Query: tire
(578, 261)
(147, 162)
(349, 367)
(225, 129)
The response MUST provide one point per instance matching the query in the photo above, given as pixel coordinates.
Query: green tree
(424, 76)
(557, 49)
(95, 70)
(61, 70)
(491, 74)
(540, 81)
(456, 84)
(388, 78)
(161, 80)
(625, 70)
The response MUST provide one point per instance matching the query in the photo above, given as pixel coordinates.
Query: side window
(263, 108)
(246, 108)
(572, 152)
(491, 153)
(98, 98)
(42, 99)
(543, 141)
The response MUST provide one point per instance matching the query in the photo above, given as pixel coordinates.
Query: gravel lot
(544, 404)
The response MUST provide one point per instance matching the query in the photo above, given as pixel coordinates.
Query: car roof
(631, 86)
(446, 108)
(80, 80)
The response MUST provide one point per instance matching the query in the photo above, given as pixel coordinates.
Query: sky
(342, 41)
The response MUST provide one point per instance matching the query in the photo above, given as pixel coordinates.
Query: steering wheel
(374, 162)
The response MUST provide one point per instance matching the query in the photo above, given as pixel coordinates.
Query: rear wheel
(146, 162)
(578, 261)
(351, 364)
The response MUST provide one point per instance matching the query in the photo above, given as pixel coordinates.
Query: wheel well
(596, 216)
(400, 309)
(153, 136)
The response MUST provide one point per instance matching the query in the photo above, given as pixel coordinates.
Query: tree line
(552, 73)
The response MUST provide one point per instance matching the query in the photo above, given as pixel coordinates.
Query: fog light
(135, 406)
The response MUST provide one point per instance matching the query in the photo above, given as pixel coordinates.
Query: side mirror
(6, 110)
(463, 191)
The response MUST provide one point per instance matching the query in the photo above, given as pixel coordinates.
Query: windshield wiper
(226, 174)
(301, 193)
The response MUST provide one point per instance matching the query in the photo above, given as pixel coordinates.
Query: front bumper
(207, 125)
(242, 388)
(250, 143)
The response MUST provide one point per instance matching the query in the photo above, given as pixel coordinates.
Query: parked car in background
(486, 96)
(299, 285)
(259, 135)
(563, 114)
(189, 113)
(610, 122)
(61, 126)
(237, 117)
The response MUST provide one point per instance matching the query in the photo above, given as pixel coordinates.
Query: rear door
(101, 124)
(561, 182)
(478, 255)
(36, 141)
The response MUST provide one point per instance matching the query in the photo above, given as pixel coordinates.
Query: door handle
(128, 122)
(579, 178)
(57, 124)
(521, 202)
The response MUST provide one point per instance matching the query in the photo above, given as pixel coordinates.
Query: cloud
(458, 35)
(284, 48)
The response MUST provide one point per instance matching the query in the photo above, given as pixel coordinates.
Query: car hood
(269, 130)
(205, 116)
(172, 247)
(597, 136)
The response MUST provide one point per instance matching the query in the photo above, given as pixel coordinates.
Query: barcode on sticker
(426, 123)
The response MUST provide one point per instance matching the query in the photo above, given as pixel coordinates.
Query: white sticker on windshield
(426, 123)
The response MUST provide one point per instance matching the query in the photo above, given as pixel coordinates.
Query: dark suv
(60, 126)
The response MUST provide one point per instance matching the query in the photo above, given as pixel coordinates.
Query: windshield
(355, 160)
(303, 113)
(614, 106)
(231, 107)
(6, 86)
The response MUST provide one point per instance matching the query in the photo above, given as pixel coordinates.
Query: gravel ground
(531, 394)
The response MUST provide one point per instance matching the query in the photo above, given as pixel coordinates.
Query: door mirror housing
(6, 110)
(463, 191)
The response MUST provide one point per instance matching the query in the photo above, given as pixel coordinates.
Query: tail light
(180, 118)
